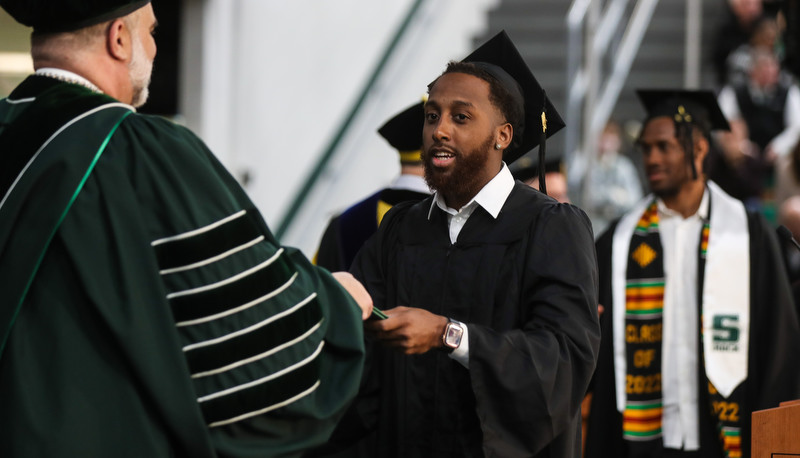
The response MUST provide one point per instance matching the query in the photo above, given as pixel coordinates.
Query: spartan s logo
(726, 332)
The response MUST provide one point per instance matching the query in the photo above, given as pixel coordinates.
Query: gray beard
(140, 71)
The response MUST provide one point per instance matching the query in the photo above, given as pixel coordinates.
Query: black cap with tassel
(500, 58)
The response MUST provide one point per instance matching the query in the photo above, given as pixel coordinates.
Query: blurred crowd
(758, 161)
(760, 98)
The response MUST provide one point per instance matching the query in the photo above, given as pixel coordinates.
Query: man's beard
(139, 70)
(463, 182)
(673, 187)
(666, 193)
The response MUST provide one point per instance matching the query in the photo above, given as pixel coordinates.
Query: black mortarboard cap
(527, 166)
(684, 105)
(404, 131)
(51, 16)
(686, 108)
(500, 58)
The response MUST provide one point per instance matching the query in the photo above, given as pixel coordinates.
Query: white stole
(726, 293)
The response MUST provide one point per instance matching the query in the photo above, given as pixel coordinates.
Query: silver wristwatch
(451, 338)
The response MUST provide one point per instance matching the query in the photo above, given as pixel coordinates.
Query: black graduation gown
(346, 233)
(773, 374)
(525, 284)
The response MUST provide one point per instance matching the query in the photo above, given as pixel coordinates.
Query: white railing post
(694, 31)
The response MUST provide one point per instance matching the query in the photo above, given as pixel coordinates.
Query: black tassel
(542, 171)
(542, 146)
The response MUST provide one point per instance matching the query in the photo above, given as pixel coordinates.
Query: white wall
(267, 83)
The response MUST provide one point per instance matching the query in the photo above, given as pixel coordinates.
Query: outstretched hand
(410, 330)
(357, 291)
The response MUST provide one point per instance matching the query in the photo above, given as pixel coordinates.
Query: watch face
(452, 336)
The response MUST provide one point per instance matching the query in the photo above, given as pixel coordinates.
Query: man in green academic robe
(147, 310)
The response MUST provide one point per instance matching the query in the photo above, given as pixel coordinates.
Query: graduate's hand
(410, 330)
(357, 291)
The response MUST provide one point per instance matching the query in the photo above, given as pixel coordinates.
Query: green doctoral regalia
(147, 310)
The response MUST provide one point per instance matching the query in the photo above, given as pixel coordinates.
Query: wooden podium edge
(775, 431)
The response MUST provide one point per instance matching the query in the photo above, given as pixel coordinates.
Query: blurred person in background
(347, 232)
(734, 163)
(736, 28)
(611, 186)
(526, 170)
(768, 102)
(787, 176)
(769, 105)
(765, 35)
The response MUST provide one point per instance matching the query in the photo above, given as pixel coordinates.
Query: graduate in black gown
(347, 232)
(699, 329)
(489, 285)
(526, 170)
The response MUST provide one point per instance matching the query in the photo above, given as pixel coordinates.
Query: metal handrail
(581, 78)
(577, 12)
(576, 82)
(589, 105)
(628, 48)
(694, 25)
(608, 25)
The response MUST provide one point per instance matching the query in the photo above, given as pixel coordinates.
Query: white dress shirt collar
(491, 197)
(702, 210)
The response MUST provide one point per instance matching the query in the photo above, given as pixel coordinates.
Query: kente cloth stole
(644, 303)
